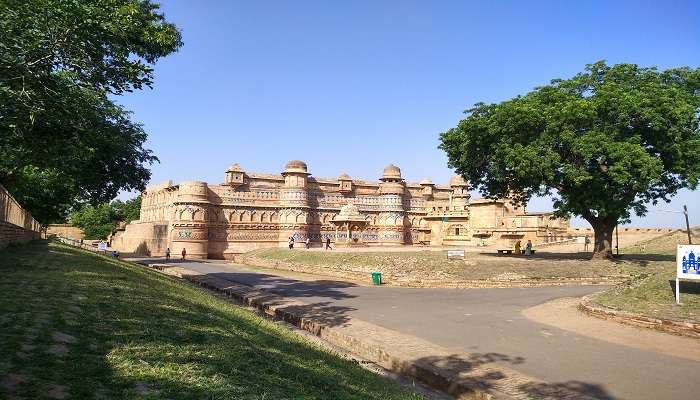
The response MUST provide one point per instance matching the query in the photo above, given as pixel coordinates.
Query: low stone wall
(682, 328)
(16, 224)
(623, 230)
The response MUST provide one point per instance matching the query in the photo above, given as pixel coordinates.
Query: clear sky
(353, 86)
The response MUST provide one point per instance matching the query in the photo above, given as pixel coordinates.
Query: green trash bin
(377, 278)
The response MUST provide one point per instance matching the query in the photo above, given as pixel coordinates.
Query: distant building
(253, 210)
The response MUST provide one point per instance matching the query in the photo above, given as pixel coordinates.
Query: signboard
(687, 265)
(455, 253)
(688, 261)
(102, 246)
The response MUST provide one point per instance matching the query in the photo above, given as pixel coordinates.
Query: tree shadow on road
(460, 375)
(289, 287)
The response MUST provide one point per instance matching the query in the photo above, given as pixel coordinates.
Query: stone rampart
(16, 224)
(65, 230)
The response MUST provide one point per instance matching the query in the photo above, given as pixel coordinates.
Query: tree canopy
(98, 221)
(63, 140)
(604, 143)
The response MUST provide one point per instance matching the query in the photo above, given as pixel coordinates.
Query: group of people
(307, 243)
(167, 254)
(291, 246)
(528, 248)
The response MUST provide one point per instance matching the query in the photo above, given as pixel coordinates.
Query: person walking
(184, 253)
(167, 254)
(308, 242)
(517, 247)
(291, 243)
(328, 243)
(586, 242)
(528, 248)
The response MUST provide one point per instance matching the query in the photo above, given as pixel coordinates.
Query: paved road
(489, 322)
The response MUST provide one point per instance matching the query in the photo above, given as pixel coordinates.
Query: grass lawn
(652, 293)
(77, 325)
(433, 267)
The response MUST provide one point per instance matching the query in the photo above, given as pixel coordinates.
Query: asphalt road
(489, 322)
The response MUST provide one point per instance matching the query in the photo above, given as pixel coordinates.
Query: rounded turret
(391, 173)
(458, 181)
(460, 193)
(193, 192)
(296, 167)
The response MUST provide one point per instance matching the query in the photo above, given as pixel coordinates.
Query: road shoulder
(563, 313)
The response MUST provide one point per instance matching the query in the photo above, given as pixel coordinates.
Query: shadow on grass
(685, 286)
(141, 335)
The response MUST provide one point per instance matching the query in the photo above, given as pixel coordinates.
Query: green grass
(143, 335)
(652, 294)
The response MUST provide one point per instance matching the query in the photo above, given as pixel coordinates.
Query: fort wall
(16, 224)
(253, 210)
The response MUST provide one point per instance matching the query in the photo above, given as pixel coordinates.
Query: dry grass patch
(434, 269)
(652, 294)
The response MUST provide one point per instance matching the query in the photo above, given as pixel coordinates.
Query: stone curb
(476, 383)
(426, 283)
(681, 328)
(273, 305)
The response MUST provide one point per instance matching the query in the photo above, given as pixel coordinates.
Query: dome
(344, 177)
(458, 180)
(295, 166)
(425, 182)
(235, 167)
(391, 171)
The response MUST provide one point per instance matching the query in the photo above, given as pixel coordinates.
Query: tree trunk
(603, 234)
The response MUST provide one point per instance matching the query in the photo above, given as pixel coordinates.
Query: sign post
(455, 253)
(687, 265)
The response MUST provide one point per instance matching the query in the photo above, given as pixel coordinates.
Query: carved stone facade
(252, 210)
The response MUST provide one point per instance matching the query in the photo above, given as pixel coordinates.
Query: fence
(16, 224)
(89, 245)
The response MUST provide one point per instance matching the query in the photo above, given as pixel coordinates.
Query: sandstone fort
(253, 210)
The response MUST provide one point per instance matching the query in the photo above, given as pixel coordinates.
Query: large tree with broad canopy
(63, 139)
(604, 144)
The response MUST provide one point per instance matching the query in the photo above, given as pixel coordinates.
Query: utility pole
(687, 224)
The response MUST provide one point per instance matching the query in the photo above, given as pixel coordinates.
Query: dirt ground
(431, 268)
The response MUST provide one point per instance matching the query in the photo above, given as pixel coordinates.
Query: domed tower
(460, 193)
(189, 226)
(294, 203)
(392, 229)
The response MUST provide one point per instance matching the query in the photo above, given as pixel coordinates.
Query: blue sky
(353, 86)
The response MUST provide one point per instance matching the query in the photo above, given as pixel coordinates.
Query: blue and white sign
(102, 246)
(687, 265)
(688, 261)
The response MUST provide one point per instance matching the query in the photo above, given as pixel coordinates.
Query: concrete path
(489, 324)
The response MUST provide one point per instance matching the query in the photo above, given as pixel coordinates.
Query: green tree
(60, 60)
(129, 210)
(97, 222)
(604, 143)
